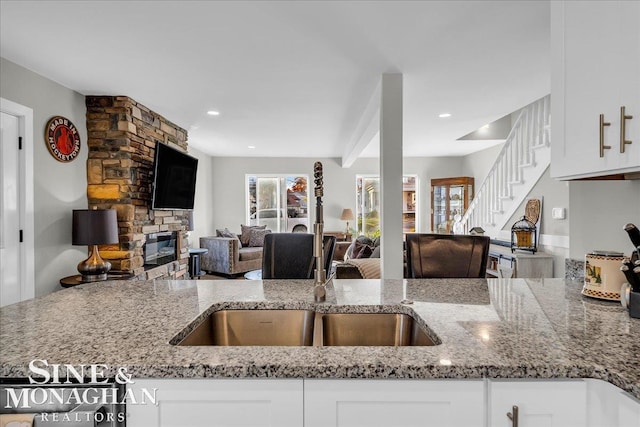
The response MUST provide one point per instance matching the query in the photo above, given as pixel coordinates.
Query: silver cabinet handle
(623, 129)
(513, 416)
(602, 125)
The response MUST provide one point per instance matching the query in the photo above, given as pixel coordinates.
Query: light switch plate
(558, 213)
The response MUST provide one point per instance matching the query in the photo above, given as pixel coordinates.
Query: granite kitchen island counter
(497, 328)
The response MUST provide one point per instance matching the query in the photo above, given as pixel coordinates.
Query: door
(540, 403)
(269, 209)
(384, 403)
(218, 402)
(9, 205)
(368, 199)
(280, 202)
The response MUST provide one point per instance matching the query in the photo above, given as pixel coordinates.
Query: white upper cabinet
(595, 70)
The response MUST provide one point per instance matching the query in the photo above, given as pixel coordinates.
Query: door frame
(26, 268)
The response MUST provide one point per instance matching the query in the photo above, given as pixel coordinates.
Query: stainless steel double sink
(306, 328)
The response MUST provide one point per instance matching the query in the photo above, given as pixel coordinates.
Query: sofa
(362, 260)
(361, 248)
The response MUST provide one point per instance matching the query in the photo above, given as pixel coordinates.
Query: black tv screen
(174, 179)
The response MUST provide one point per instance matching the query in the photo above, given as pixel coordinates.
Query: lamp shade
(347, 215)
(94, 227)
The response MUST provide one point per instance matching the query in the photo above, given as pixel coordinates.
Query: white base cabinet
(382, 403)
(385, 403)
(219, 402)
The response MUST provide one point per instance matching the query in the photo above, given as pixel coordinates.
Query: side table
(76, 279)
(194, 262)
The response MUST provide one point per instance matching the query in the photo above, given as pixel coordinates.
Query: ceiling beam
(368, 128)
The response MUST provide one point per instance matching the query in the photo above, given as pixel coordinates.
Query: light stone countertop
(497, 328)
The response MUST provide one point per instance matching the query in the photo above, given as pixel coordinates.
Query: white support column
(391, 176)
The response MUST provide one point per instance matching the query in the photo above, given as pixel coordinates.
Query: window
(368, 204)
(278, 201)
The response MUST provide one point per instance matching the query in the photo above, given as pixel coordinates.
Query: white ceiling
(292, 78)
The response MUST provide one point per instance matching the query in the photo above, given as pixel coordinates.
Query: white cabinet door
(595, 54)
(540, 403)
(609, 406)
(219, 402)
(628, 410)
(407, 403)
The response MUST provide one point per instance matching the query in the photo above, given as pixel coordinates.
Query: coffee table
(253, 275)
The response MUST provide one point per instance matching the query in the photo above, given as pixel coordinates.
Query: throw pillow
(228, 234)
(256, 237)
(361, 250)
(364, 239)
(246, 231)
(376, 252)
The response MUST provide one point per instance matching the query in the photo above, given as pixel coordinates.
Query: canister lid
(607, 253)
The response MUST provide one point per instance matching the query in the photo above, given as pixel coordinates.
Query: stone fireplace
(122, 135)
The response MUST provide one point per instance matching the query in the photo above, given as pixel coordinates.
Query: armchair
(225, 256)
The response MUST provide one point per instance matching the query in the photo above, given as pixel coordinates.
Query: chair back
(290, 255)
(329, 248)
(446, 255)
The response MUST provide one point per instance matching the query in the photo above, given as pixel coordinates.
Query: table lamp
(347, 215)
(94, 227)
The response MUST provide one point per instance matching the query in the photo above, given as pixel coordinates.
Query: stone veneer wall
(122, 136)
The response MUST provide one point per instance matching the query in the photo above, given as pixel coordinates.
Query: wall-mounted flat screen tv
(174, 179)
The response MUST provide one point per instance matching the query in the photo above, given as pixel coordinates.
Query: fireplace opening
(160, 248)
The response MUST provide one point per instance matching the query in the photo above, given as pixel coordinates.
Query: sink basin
(254, 327)
(296, 328)
(372, 329)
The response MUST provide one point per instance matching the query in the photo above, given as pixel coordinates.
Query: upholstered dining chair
(290, 255)
(446, 255)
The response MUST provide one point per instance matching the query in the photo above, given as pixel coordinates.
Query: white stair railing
(521, 162)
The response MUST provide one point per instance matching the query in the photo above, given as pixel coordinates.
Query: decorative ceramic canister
(602, 276)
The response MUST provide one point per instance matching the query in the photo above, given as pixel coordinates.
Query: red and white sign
(62, 138)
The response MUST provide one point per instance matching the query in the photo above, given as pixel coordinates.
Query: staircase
(525, 156)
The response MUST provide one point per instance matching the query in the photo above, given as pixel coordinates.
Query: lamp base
(94, 268)
(94, 277)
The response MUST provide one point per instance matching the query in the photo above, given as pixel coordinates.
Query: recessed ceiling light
(213, 113)
(484, 128)
(251, 146)
(444, 115)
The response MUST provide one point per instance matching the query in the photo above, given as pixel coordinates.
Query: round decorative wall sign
(62, 138)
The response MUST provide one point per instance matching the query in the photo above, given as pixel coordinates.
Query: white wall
(204, 202)
(228, 184)
(599, 211)
(59, 187)
(479, 163)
